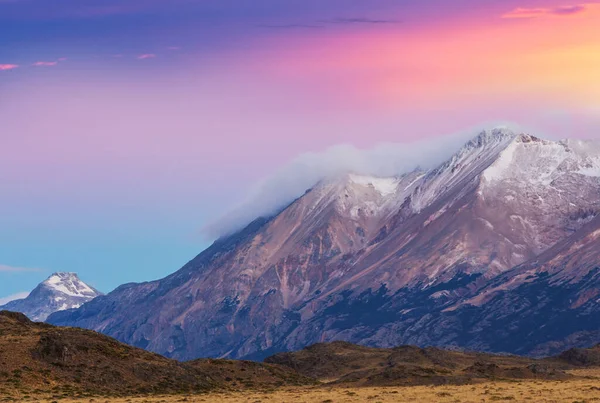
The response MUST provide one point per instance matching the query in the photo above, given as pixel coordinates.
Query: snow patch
(385, 186)
(497, 169)
(69, 284)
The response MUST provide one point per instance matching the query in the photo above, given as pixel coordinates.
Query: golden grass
(583, 389)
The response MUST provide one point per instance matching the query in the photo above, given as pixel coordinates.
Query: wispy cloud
(14, 269)
(335, 21)
(9, 298)
(44, 64)
(6, 67)
(361, 20)
(291, 26)
(146, 56)
(521, 12)
(302, 173)
(173, 47)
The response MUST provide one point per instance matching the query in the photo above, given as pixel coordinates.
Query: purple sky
(127, 126)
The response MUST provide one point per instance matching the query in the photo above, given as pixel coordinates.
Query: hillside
(345, 364)
(41, 362)
(43, 359)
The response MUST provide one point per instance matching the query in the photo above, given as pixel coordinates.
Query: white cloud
(13, 269)
(19, 295)
(290, 182)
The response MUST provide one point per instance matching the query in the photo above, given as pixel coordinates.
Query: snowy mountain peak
(367, 196)
(465, 165)
(69, 284)
(529, 160)
(58, 292)
(491, 137)
(528, 138)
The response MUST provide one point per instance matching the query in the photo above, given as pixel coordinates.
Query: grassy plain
(585, 388)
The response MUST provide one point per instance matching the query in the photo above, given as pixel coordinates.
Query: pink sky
(180, 136)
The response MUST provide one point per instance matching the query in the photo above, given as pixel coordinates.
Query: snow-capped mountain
(59, 292)
(495, 246)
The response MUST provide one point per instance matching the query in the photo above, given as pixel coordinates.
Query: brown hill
(578, 358)
(344, 363)
(39, 358)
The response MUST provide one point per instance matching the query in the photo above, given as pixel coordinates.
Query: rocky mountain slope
(494, 250)
(58, 292)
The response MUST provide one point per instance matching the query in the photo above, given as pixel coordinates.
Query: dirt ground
(586, 389)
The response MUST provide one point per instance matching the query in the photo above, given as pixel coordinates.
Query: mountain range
(58, 292)
(494, 250)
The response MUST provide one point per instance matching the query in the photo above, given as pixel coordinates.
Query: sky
(127, 126)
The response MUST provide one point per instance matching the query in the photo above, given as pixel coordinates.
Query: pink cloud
(568, 10)
(44, 64)
(525, 13)
(62, 59)
(174, 48)
(521, 12)
(146, 56)
(4, 67)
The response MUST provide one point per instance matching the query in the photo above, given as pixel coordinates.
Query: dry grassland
(584, 389)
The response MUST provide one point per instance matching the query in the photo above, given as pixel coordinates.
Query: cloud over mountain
(291, 181)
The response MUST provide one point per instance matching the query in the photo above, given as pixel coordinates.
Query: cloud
(19, 295)
(6, 67)
(361, 20)
(13, 269)
(335, 21)
(291, 26)
(173, 47)
(146, 56)
(568, 10)
(539, 12)
(389, 159)
(44, 64)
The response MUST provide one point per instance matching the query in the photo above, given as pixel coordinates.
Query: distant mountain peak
(60, 291)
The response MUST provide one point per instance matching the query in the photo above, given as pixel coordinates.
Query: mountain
(59, 292)
(494, 250)
(55, 363)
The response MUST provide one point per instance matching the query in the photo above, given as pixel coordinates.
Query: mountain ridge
(348, 261)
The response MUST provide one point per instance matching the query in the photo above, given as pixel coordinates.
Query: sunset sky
(128, 125)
